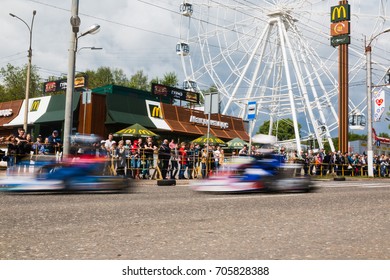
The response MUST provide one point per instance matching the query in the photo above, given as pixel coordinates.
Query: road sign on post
(251, 110)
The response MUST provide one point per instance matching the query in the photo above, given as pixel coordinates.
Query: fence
(146, 165)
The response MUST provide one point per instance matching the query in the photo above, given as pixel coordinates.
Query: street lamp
(68, 118)
(30, 29)
(90, 48)
(370, 156)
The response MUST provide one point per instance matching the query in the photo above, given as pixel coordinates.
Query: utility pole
(370, 152)
(68, 119)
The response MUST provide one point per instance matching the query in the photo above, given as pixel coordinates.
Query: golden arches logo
(130, 130)
(339, 13)
(156, 112)
(35, 105)
(145, 132)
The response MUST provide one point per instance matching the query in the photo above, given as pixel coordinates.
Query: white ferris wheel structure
(278, 53)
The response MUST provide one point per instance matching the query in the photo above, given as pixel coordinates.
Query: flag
(379, 106)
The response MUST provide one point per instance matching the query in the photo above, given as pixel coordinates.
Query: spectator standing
(164, 154)
(121, 159)
(243, 151)
(109, 141)
(149, 148)
(37, 146)
(172, 144)
(191, 160)
(217, 154)
(174, 162)
(203, 162)
(12, 149)
(54, 142)
(21, 143)
(182, 160)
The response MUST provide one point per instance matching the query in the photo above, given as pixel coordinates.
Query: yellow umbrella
(135, 130)
(236, 143)
(212, 140)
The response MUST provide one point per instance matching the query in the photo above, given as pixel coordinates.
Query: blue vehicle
(266, 173)
(77, 174)
(81, 175)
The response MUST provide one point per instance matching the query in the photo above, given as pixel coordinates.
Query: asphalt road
(342, 220)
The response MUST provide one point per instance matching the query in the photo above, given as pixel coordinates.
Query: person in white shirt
(109, 142)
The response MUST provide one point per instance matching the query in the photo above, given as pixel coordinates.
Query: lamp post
(90, 48)
(370, 155)
(28, 78)
(68, 119)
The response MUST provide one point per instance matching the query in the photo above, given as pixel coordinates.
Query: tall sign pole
(340, 30)
(251, 116)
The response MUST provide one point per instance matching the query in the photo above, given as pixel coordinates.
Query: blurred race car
(265, 173)
(81, 175)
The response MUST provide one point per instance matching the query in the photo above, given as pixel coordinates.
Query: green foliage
(170, 79)
(283, 129)
(139, 81)
(13, 80)
(14, 83)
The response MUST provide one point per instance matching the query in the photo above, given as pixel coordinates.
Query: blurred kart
(81, 175)
(265, 173)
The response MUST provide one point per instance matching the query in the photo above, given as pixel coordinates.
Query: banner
(379, 106)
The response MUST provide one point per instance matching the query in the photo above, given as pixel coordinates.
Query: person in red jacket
(183, 160)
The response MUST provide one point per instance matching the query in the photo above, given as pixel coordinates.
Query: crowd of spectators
(21, 146)
(322, 163)
(140, 158)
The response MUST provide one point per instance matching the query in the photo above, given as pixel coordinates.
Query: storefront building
(111, 108)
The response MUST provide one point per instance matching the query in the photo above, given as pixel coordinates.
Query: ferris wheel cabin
(357, 121)
(182, 48)
(186, 9)
(190, 85)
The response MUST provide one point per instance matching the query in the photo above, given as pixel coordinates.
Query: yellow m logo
(156, 112)
(145, 132)
(339, 13)
(35, 105)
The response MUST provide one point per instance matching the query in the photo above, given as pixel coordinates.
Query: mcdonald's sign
(155, 111)
(339, 28)
(35, 105)
(340, 13)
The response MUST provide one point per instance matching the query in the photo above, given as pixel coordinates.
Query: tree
(170, 79)
(139, 81)
(14, 83)
(120, 78)
(283, 129)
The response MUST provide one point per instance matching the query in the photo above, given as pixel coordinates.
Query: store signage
(155, 111)
(339, 28)
(59, 85)
(35, 105)
(340, 13)
(5, 113)
(175, 93)
(202, 121)
(339, 40)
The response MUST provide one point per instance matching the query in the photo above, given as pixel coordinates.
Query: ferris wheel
(274, 52)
